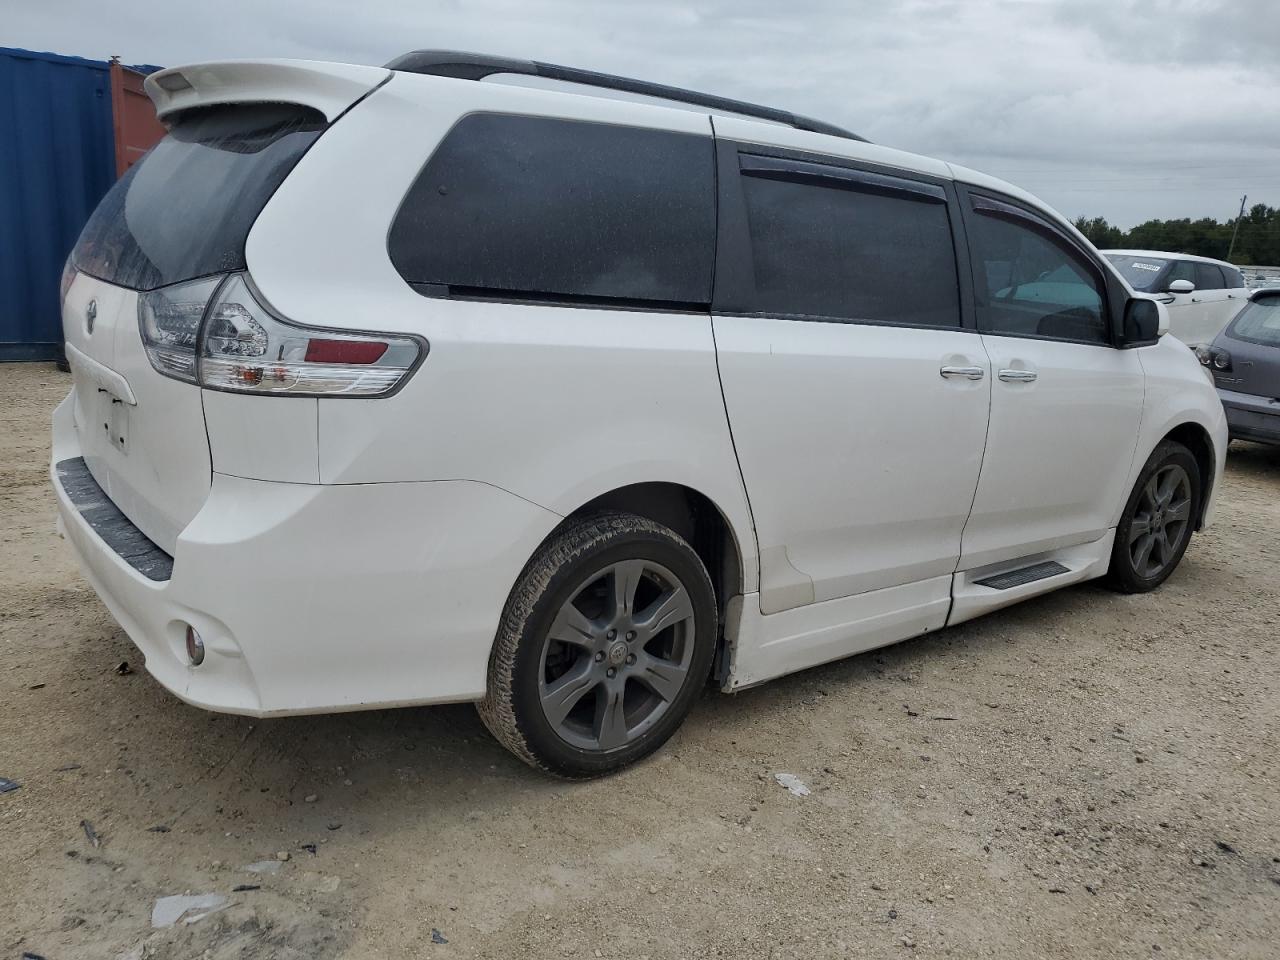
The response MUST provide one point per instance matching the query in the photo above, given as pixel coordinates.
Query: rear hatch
(161, 240)
(1252, 346)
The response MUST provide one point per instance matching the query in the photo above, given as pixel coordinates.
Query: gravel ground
(1085, 775)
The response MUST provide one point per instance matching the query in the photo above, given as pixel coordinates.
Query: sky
(1125, 110)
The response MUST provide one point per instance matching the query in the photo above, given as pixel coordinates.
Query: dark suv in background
(1245, 360)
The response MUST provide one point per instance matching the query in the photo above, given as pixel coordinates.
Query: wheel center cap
(617, 653)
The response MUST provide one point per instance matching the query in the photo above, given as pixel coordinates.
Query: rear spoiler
(330, 88)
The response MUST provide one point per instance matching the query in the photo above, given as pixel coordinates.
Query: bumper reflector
(195, 647)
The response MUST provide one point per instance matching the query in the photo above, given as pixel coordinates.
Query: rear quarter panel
(555, 405)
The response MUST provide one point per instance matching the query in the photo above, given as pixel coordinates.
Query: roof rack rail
(477, 66)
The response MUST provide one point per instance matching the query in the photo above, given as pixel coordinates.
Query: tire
(580, 684)
(1141, 559)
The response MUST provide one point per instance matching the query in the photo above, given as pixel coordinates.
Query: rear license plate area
(113, 420)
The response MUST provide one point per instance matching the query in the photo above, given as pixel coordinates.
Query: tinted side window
(1028, 282)
(1181, 270)
(1233, 277)
(1208, 277)
(529, 207)
(827, 249)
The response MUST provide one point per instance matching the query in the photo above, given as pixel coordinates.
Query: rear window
(1259, 322)
(185, 209)
(513, 207)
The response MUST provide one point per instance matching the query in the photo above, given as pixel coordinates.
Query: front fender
(1179, 394)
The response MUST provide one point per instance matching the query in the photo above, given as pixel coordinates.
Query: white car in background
(398, 386)
(1202, 294)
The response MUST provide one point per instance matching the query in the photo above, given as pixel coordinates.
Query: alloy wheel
(1160, 520)
(617, 655)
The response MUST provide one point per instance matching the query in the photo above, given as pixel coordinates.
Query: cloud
(1129, 110)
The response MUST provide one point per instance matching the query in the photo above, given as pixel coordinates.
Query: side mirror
(1145, 322)
(1181, 286)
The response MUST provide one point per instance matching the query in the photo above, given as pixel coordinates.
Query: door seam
(733, 444)
(982, 460)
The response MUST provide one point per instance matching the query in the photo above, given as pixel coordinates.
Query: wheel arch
(707, 528)
(691, 514)
(1196, 438)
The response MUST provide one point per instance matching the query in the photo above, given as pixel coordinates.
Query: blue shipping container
(57, 159)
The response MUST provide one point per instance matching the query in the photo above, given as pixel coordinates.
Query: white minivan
(415, 384)
(1201, 294)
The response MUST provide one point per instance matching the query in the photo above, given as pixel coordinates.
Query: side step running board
(1016, 578)
(981, 590)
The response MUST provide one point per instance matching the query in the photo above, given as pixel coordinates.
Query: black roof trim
(1264, 293)
(477, 66)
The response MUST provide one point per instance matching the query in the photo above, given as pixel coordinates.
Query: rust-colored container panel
(134, 116)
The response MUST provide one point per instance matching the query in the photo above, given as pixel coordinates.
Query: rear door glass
(837, 247)
(185, 209)
(515, 207)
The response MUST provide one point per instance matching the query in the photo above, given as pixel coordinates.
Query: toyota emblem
(90, 315)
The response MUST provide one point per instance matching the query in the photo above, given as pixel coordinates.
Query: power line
(1164, 182)
(1267, 163)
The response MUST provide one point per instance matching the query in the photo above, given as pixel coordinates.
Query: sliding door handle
(1017, 376)
(969, 373)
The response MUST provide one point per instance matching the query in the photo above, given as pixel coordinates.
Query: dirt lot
(1086, 775)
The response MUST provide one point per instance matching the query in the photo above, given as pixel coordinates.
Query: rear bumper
(1251, 417)
(312, 598)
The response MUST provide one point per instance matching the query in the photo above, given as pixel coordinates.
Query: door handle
(1018, 376)
(969, 373)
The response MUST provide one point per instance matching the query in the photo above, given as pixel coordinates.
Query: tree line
(1257, 242)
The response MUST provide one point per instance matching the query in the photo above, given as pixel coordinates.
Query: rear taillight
(246, 349)
(227, 340)
(1213, 357)
(169, 320)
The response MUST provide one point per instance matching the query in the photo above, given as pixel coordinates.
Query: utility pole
(1236, 231)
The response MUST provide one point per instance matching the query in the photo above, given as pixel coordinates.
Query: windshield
(1141, 272)
(1259, 322)
(185, 209)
